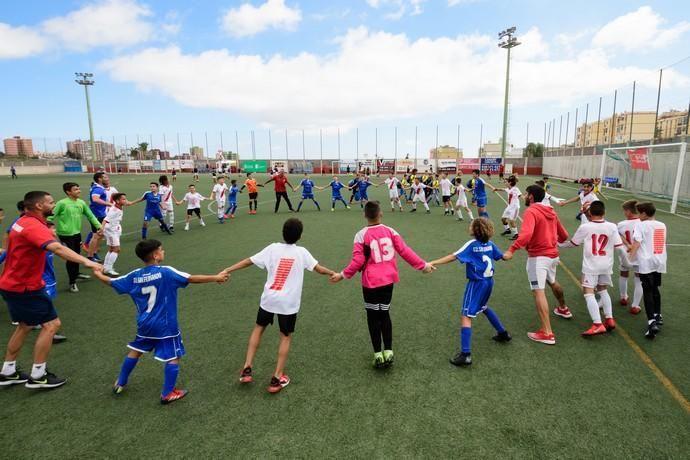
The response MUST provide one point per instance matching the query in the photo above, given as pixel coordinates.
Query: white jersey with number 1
(599, 239)
(220, 191)
(392, 184)
(166, 193)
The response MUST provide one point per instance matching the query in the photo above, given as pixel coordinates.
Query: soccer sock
(386, 329)
(469, 213)
(333, 204)
(251, 205)
(3, 256)
(127, 367)
(374, 329)
(171, 371)
(171, 218)
(144, 232)
(38, 370)
(299, 206)
(484, 214)
(426, 206)
(165, 227)
(506, 226)
(233, 208)
(623, 287)
(493, 319)
(466, 339)
(606, 303)
(256, 205)
(107, 265)
(317, 205)
(637, 292)
(88, 238)
(513, 230)
(9, 367)
(593, 308)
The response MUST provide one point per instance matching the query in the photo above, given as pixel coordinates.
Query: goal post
(658, 172)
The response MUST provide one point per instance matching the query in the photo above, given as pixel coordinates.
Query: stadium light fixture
(86, 80)
(506, 41)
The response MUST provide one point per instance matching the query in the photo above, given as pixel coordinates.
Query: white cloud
(19, 42)
(376, 76)
(638, 31)
(399, 8)
(248, 20)
(452, 3)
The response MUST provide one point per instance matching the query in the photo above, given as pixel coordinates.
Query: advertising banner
(404, 165)
(639, 158)
(490, 164)
(385, 166)
(279, 164)
(255, 166)
(466, 165)
(447, 165)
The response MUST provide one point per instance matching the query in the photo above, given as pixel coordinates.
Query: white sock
(113, 258)
(426, 206)
(637, 293)
(106, 262)
(506, 227)
(469, 213)
(593, 308)
(38, 370)
(623, 287)
(606, 303)
(513, 230)
(9, 367)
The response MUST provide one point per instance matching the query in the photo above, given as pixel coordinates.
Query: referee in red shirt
(281, 181)
(21, 285)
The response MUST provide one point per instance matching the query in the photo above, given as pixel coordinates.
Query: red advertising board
(639, 158)
(466, 165)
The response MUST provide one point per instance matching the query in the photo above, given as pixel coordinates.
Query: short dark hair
(588, 182)
(153, 183)
(67, 186)
(249, 174)
(372, 210)
(630, 205)
(482, 229)
(163, 179)
(597, 208)
(292, 230)
(512, 180)
(31, 199)
(233, 182)
(476, 171)
(537, 192)
(145, 248)
(546, 178)
(98, 175)
(20, 206)
(540, 183)
(191, 185)
(648, 208)
(117, 196)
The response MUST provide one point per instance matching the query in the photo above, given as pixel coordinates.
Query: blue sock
(317, 205)
(164, 226)
(233, 208)
(493, 319)
(484, 214)
(466, 339)
(299, 206)
(3, 256)
(88, 238)
(127, 367)
(144, 232)
(171, 371)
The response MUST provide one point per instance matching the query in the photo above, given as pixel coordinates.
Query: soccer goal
(655, 172)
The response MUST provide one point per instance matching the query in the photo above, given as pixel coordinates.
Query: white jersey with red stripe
(166, 192)
(285, 265)
(392, 184)
(514, 195)
(220, 192)
(586, 199)
(651, 257)
(599, 239)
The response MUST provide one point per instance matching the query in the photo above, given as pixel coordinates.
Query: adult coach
(280, 181)
(540, 233)
(22, 287)
(67, 217)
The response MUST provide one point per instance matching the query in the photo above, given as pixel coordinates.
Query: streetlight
(86, 80)
(506, 41)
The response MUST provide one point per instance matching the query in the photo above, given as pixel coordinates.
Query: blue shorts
(307, 196)
(51, 291)
(336, 198)
(163, 349)
(476, 297)
(148, 215)
(30, 307)
(363, 196)
(481, 202)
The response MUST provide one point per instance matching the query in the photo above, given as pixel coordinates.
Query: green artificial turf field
(582, 398)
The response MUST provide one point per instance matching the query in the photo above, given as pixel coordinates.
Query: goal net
(659, 173)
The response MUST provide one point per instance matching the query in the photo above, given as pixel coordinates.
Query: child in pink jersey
(373, 253)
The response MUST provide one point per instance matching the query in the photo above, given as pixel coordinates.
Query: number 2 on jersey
(599, 244)
(152, 292)
(489, 272)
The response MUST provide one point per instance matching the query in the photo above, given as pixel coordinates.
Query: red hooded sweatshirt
(541, 231)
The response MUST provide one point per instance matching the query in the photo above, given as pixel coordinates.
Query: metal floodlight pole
(86, 80)
(415, 147)
(560, 132)
(507, 42)
(596, 141)
(658, 99)
(582, 152)
(287, 153)
(270, 147)
(481, 138)
(567, 127)
(321, 150)
(613, 117)
(304, 150)
(632, 113)
(584, 141)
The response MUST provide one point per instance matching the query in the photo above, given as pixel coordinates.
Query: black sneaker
(652, 330)
(461, 359)
(659, 320)
(13, 379)
(505, 232)
(514, 237)
(117, 388)
(57, 338)
(413, 210)
(502, 337)
(48, 380)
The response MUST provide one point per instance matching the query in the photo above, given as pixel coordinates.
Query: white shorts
(393, 194)
(419, 197)
(462, 201)
(511, 213)
(592, 281)
(540, 270)
(112, 238)
(626, 266)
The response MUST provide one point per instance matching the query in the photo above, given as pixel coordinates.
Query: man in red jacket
(541, 231)
(281, 181)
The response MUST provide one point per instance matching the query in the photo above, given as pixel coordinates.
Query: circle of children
(639, 239)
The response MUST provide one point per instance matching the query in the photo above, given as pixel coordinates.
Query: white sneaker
(73, 288)
(111, 272)
(203, 224)
(186, 227)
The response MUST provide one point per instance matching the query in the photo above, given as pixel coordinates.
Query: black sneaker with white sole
(83, 276)
(505, 232)
(461, 359)
(659, 320)
(58, 338)
(652, 330)
(47, 381)
(502, 337)
(13, 379)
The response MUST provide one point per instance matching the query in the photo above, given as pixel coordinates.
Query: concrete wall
(33, 169)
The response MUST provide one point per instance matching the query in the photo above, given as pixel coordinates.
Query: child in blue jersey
(232, 200)
(307, 191)
(478, 255)
(362, 186)
(336, 186)
(153, 210)
(479, 191)
(153, 289)
(354, 186)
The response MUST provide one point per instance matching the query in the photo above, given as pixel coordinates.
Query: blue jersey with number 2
(478, 258)
(154, 292)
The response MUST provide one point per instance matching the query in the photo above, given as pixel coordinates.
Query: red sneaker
(623, 301)
(563, 312)
(278, 384)
(232, 216)
(246, 375)
(596, 329)
(610, 324)
(225, 216)
(541, 337)
(174, 396)
(635, 310)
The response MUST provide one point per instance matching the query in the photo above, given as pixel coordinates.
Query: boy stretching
(373, 254)
(285, 264)
(153, 289)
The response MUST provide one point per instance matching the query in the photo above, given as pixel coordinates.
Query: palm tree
(143, 148)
